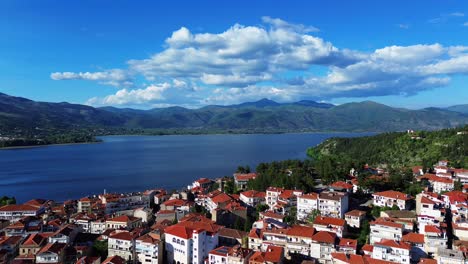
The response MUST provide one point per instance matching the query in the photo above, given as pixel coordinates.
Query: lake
(137, 163)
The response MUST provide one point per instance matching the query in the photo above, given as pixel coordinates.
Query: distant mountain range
(20, 116)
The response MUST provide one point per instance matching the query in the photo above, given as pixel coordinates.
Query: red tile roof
(386, 222)
(253, 194)
(273, 254)
(427, 261)
(53, 247)
(123, 235)
(393, 195)
(323, 220)
(348, 243)
(356, 213)
(114, 260)
(35, 240)
(342, 185)
(414, 238)
(301, 231)
(186, 227)
(245, 177)
(432, 229)
(18, 207)
(324, 237)
(310, 196)
(124, 219)
(348, 258)
(368, 248)
(393, 244)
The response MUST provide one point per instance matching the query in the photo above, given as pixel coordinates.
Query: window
(174, 239)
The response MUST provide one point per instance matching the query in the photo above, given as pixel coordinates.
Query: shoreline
(48, 145)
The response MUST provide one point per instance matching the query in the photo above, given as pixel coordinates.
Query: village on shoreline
(223, 221)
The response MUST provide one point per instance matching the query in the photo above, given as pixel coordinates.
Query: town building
(333, 204)
(391, 198)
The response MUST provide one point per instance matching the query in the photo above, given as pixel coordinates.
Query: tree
(291, 218)
(364, 234)
(458, 186)
(229, 187)
(313, 215)
(100, 249)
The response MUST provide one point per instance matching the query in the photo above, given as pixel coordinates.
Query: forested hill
(397, 149)
(20, 116)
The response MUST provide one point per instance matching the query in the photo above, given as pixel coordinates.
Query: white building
(441, 184)
(434, 239)
(391, 250)
(391, 198)
(149, 249)
(15, 212)
(252, 198)
(330, 224)
(333, 204)
(354, 218)
(191, 240)
(383, 228)
(306, 204)
(219, 255)
(121, 243)
(51, 253)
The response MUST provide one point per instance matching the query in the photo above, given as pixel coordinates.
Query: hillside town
(223, 221)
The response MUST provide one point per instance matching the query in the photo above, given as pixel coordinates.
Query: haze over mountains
(20, 114)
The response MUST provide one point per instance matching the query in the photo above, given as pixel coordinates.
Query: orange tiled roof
(323, 220)
(394, 195)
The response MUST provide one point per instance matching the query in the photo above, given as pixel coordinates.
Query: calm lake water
(136, 163)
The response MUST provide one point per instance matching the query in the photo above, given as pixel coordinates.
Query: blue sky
(146, 54)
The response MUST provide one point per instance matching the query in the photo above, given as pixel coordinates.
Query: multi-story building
(441, 184)
(51, 253)
(32, 244)
(354, 218)
(391, 198)
(121, 243)
(252, 198)
(241, 179)
(434, 239)
(123, 222)
(149, 249)
(323, 244)
(14, 212)
(330, 224)
(333, 204)
(191, 240)
(306, 204)
(392, 250)
(383, 228)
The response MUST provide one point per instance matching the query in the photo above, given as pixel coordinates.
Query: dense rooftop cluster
(222, 221)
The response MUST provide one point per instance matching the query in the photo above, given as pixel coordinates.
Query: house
(391, 198)
(191, 240)
(83, 220)
(354, 218)
(344, 258)
(201, 185)
(441, 184)
(121, 243)
(231, 237)
(14, 212)
(417, 245)
(280, 199)
(149, 249)
(51, 253)
(10, 245)
(239, 255)
(429, 206)
(383, 228)
(434, 239)
(451, 256)
(333, 204)
(298, 239)
(88, 260)
(218, 255)
(391, 250)
(347, 245)
(417, 170)
(114, 260)
(272, 255)
(216, 200)
(123, 222)
(272, 215)
(64, 235)
(341, 186)
(241, 179)
(323, 244)
(32, 244)
(330, 224)
(252, 198)
(306, 205)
